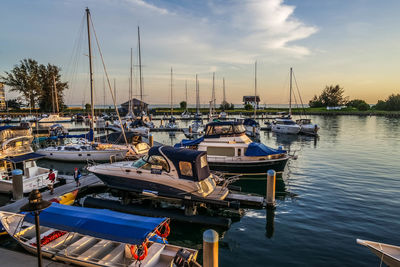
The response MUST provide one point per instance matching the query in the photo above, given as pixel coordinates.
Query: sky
(355, 44)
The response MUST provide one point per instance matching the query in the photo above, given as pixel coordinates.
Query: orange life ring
(166, 232)
(143, 253)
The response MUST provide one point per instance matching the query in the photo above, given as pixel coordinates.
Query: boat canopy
(250, 122)
(25, 157)
(258, 149)
(190, 164)
(224, 128)
(100, 223)
(188, 142)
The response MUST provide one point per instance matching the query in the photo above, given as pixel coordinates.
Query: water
(344, 185)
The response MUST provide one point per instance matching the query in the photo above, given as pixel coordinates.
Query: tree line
(333, 96)
(35, 83)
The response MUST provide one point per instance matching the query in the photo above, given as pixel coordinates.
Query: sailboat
(55, 116)
(212, 115)
(222, 114)
(198, 114)
(285, 124)
(84, 150)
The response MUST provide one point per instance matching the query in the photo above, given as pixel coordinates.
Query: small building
(137, 106)
(252, 100)
(3, 105)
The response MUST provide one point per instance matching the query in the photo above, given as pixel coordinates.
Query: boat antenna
(90, 69)
(255, 89)
(290, 94)
(171, 94)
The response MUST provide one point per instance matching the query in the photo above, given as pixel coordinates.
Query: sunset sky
(355, 44)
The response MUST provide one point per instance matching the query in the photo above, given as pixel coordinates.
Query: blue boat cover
(259, 149)
(100, 223)
(187, 142)
(250, 122)
(5, 127)
(24, 157)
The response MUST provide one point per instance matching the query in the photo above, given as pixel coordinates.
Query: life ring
(142, 252)
(166, 231)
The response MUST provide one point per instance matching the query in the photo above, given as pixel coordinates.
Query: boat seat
(114, 256)
(62, 240)
(153, 255)
(82, 244)
(93, 252)
(33, 240)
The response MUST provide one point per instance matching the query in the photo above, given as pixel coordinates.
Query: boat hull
(248, 168)
(285, 129)
(83, 156)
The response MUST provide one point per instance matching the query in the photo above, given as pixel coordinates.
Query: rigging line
(108, 81)
(301, 100)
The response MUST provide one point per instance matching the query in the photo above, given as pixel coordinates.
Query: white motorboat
(307, 127)
(196, 129)
(84, 151)
(16, 153)
(222, 115)
(252, 127)
(97, 237)
(230, 150)
(55, 118)
(185, 115)
(285, 125)
(389, 254)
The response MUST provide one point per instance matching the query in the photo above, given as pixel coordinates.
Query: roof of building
(250, 98)
(135, 101)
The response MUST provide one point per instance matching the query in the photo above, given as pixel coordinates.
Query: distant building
(137, 106)
(3, 105)
(251, 100)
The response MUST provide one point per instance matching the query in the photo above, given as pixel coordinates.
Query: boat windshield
(285, 122)
(225, 129)
(151, 162)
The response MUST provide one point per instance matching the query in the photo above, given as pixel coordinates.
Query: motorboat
(83, 151)
(171, 123)
(285, 125)
(307, 127)
(195, 130)
(185, 115)
(57, 130)
(164, 171)
(97, 237)
(222, 115)
(252, 127)
(55, 118)
(230, 150)
(16, 153)
(389, 254)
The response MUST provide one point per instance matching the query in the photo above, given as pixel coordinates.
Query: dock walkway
(58, 191)
(17, 259)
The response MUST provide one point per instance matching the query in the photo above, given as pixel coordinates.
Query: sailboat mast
(290, 94)
(115, 91)
(130, 87)
(52, 98)
(223, 90)
(186, 96)
(140, 66)
(104, 95)
(213, 93)
(90, 68)
(171, 94)
(197, 96)
(255, 90)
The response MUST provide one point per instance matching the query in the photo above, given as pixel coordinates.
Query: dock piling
(271, 182)
(210, 248)
(190, 129)
(151, 140)
(17, 184)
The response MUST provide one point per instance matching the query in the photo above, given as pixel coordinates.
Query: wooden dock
(19, 259)
(58, 191)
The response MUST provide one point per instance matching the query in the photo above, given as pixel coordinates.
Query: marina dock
(18, 259)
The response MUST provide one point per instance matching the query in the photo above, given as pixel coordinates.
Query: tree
(232, 107)
(46, 74)
(87, 107)
(358, 104)
(248, 107)
(25, 80)
(13, 103)
(392, 103)
(331, 96)
(183, 104)
(224, 105)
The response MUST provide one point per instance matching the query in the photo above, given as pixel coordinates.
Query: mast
(90, 68)
(213, 94)
(255, 90)
(186, 96)
(290, 94)
(171, 94)
(115, 91)
(197, 96)
(140, 66)
(104, 95)
(52, 98)
(223, 90)
(130, 88)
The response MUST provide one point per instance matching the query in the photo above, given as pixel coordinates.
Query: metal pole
(290, 94)
(39, 251)
(255, 90)
(271, 180)
(55, 94)
(90, 68)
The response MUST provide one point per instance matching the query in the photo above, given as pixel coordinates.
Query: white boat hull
(83, 156)
(285, 129)
(38, 181)
(389, 254)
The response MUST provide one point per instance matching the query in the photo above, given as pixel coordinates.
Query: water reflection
(270, 224)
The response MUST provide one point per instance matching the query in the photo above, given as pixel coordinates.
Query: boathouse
(252, 100)
(137, 106)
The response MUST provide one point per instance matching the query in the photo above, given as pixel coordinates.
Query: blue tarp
(100, 223)
(25, 157)
(186, 142)
(5, 127)
(259, 149)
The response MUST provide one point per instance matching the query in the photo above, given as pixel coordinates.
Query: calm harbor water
(344, 185)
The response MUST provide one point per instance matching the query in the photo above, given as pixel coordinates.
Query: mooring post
(254, 130)
(210, 248)
(190, 129)
(161, 123)
(271, 181)
(151, 140)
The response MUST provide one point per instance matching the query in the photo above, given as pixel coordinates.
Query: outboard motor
(184, 258)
